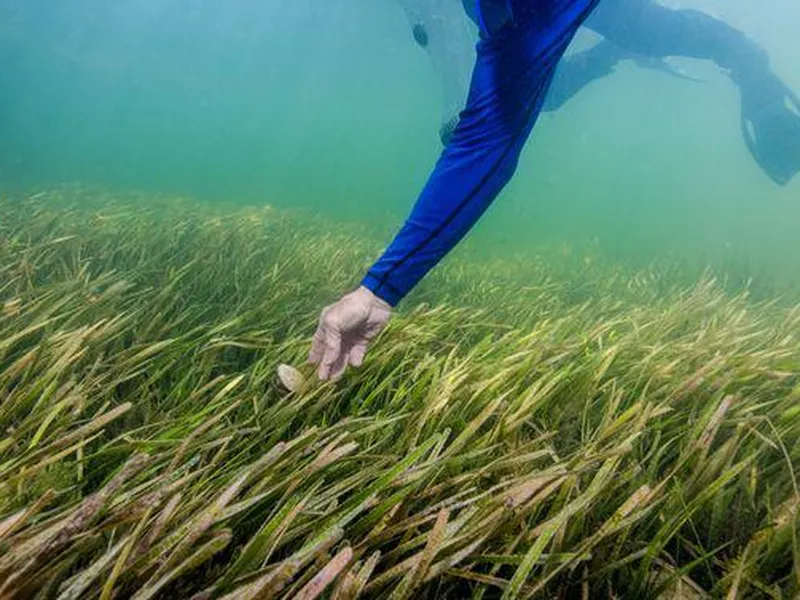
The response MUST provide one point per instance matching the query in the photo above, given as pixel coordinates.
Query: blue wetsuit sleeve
(514, 67)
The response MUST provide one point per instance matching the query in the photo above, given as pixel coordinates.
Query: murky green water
(329, 105)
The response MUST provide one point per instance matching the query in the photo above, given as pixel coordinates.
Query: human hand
(345, 330)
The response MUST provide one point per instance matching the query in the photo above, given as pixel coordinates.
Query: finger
(333, 348)
(317, 346)
(339, 367)
(318, 341)
(357, 354)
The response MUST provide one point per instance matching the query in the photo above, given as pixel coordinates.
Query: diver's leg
(442, 29)
(580, 69)
(770, 111)
(651, 29)
(513, 70)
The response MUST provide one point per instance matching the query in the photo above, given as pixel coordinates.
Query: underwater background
(331, 107)
(596, 396)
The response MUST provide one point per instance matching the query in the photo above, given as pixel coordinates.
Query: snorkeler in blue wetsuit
(520, 45)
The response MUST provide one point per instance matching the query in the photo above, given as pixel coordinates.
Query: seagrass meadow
(542, 429)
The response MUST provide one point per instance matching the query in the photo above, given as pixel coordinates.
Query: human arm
(513, 70)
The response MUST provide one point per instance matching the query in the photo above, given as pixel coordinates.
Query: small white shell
(291, 379)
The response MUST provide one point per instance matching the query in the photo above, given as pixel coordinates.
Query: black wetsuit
(770, 110)
(645, 28)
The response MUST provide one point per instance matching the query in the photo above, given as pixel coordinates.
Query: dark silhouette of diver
(515, 75)
(643, 31)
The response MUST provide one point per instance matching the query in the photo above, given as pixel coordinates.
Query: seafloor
(533, 428)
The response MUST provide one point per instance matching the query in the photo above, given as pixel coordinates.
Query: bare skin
(345, 331)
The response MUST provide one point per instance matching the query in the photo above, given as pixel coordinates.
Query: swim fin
(771, 127)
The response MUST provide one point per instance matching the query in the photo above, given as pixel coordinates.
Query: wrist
(371, 297)
(381, 290)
